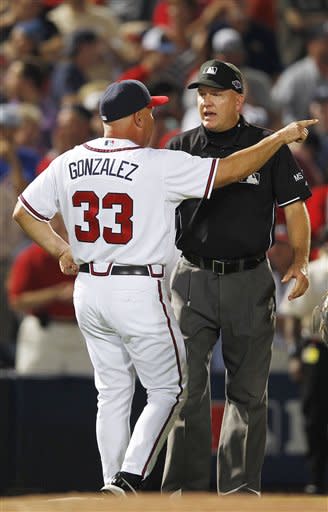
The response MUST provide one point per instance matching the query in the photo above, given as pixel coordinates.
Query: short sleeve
(289, 182)
(40, 197)
(188, 176)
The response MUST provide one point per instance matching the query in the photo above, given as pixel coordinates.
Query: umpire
(223, 285)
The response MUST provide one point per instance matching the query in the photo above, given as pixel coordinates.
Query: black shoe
(314, 489)
(123, 483)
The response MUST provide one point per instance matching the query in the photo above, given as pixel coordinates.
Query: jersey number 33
(92, 206)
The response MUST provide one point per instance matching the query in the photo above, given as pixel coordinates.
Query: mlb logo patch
(253, 179)
(236, 84)
(211, 70)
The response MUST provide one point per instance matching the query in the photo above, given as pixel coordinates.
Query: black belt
(222, 267)
(124, 270)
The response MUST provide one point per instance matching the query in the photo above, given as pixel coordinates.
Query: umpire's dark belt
(222, 267)
(124, 270)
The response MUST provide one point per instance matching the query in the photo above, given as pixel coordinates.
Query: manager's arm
(243, 163)
(43, 234)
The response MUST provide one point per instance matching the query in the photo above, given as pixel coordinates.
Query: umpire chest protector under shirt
(238, 220)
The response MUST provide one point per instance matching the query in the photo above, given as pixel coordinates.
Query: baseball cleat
(123, 483)
(113, 489)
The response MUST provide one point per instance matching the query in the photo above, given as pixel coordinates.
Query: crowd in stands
(57, 56)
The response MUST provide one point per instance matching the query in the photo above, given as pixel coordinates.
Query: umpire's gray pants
(241, 305)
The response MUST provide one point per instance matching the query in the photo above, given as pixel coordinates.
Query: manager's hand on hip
(67, 263)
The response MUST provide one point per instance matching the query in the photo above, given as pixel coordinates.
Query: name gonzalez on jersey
(102, 166)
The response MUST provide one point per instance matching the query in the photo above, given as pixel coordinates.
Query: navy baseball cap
(123, 98)
(219, 74)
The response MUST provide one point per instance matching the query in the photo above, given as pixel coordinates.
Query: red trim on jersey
(210, 177)
(29, 207)
(93, 272)
(99, 150)
(155, 274)
(180, 377)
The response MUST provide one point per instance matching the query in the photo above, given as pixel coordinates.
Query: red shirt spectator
(317, 206)
(263, 11)
(34, 269)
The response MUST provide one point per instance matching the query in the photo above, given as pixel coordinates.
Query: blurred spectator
(296, 86)
(317, 206)
(158, 52)
(166, 12)
(24, 40)
(17, 162)
(296, 17)
(280, 256)
(24, 24)
(161, 60)
(188, 22)
(49, 4)
(256, 115)
(176, 17)
(26, 81)
(131, 10)
(319, 110)
(132, 32)
(83, 51)
(309, 366)
(259, 40)
(167, 117)
(72, 128)
(28, 132)
(89, 96)
(263, 12)
(73, 15)
(306, 155)
(49, 341)
(17, 169)
(227, 45)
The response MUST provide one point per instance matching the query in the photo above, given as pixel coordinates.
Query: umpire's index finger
(308, 122)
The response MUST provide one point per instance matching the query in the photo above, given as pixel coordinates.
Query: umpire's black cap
(219, 74)
(123, 98)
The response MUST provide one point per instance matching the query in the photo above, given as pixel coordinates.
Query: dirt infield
(158, 503)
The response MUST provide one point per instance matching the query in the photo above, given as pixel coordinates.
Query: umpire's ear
(240, 98)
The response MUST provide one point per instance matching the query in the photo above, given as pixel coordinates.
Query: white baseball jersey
(118, 199)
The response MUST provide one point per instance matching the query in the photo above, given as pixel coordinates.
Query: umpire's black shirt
(238, 220)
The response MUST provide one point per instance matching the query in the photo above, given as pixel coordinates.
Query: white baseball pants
(130, 328)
